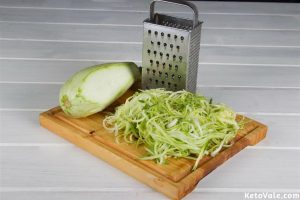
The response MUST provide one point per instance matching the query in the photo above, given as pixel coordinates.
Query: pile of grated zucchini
(173, 124)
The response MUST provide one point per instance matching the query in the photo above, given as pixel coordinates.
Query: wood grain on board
(175, 179)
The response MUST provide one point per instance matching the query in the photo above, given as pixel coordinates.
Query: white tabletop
(249, 59)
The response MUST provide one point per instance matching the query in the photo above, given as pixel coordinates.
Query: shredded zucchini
(173, 124)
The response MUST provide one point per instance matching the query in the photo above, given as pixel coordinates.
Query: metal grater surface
(171, 50)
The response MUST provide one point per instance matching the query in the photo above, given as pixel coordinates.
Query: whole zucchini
(94, 88)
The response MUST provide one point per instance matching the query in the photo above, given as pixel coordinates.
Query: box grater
(171, 50)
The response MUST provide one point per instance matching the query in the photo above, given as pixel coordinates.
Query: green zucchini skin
(92, 89)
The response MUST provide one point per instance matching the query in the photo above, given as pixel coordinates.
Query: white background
(249, 59)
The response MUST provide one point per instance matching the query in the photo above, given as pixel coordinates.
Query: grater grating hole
(168, 55)
(175, 86)
(156, 81)
(166, 75)
(162, 34)
(174, 57)
(163, 82)
(176, 67)
(154, 71)
(165, 44)
(157, 63)
(148, 51)
(182, 38)
(178, 47)
(179, 77)
(148, 70)
(160, 73)
(175, 37)
(151, 62)
(150, 79)
(161, 54)
(155, 32)
(170, 66)
(180, 58)
(169, 84)
(149, 31)
(164, 65)
(169, 35)
(152, 42)
(155, 52)
(171, 46)
(158, 43)
(173, 76)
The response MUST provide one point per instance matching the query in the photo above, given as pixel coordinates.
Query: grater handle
(179, 2)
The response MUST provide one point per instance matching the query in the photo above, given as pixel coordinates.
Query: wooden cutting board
(174, 179)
